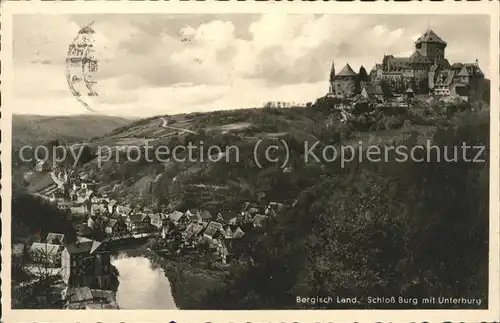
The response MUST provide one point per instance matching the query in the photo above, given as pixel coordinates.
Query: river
(143, 285)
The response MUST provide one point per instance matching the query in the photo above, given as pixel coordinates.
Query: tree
(386, 88)
(86, 155)
(361, 77)
(39, 290)
(374, 229)
(31, 214)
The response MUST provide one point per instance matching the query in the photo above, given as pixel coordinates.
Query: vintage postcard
(250, 162)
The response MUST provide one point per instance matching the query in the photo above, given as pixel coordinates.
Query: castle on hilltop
(425, 71)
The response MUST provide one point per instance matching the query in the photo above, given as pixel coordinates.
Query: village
(88, 278)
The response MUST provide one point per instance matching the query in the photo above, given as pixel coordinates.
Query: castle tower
(463, 76)
(332, 77)
(431, 45)
(344, 82)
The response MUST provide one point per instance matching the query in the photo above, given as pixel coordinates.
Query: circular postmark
(81, 65)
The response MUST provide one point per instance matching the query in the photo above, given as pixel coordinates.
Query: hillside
(226, 183)
(360, 229)
(35, 128)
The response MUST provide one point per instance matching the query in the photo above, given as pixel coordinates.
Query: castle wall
(344, 87)
(431, 50)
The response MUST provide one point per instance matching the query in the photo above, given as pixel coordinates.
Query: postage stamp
(300, 162)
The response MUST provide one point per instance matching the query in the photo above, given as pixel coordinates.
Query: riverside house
(46, 254)
(192, 232)
(124, 210)
(138, 223)
(179, 219)
(158, 220)
(86, 263)
(214, 230)
(194, 216)
(115, 226)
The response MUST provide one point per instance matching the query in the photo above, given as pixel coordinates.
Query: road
(164, 125)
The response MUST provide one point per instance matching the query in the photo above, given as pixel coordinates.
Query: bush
(393, 122)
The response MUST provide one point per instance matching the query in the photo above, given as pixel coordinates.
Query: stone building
(428, 71)
(429, 50)
(343, 83)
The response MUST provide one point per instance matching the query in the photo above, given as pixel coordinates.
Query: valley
(213, 227)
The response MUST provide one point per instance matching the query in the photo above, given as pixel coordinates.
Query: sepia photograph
(250, 161)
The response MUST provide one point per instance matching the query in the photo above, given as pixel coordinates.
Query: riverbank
(190, 277)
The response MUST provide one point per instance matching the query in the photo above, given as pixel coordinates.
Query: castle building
(429, 51)
(425, 71)
(343, 83)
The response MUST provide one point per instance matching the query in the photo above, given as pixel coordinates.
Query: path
(164, 125)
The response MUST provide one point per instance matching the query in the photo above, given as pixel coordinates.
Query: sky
(167, 64)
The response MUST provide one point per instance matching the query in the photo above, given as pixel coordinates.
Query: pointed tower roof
(463, 71)
(347, 71)
(430, 37)
(332, 71)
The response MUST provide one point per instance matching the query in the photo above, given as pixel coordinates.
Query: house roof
(110, 223)
(175, 216)
(83, 229)
(157, 216)
(194, 216)
(416, 57)
(193, 211)
(430, 37)
(463, 71)
(55, 238)
(247, 205)
(84, 246)
(259, 219)
(238, 233)
(138, 217)
(48, 248)
(346, 71)
(193, 229)
(212, 228)
(99, 207)
(473, 69)
(274, 208)
(79, 294)
(415, 54)
(233, 232)
(125, 209)
(205, 215)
